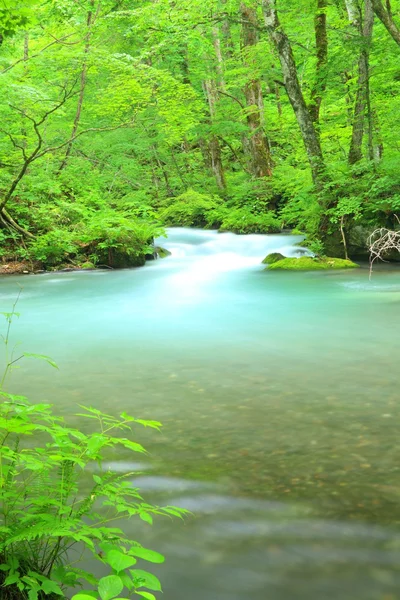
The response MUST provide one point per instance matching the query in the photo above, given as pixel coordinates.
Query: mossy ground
(309, 263)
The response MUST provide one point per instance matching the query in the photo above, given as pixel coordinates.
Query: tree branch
(24, 60)
(232, 97)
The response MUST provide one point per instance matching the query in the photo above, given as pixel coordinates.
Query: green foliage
(54, 247)
(191, 209)
(113, 239)
(53, 501)
(15, 15)
(243, 220)
(142, 129)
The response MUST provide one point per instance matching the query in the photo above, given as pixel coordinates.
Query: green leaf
(135, 447)
(41, 357)
(12, 579)
(109, 587)
(119, 561)
(51, 587)
(82, 596)
(147, 595)
(146, 517)
(145, 579)
(149, 555)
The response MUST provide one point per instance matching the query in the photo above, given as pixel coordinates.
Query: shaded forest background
(120, 117)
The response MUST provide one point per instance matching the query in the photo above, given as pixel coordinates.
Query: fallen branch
(380, 242)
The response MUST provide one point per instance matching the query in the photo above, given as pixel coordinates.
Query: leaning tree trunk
(211, 92)
(258, 144)
(385, 16)
(308, 131)
(362, 108)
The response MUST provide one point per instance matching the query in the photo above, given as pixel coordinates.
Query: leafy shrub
(54, 247)
(191, 209)
(244, 221)
(53, 503)
(116, 240)
(49, 506)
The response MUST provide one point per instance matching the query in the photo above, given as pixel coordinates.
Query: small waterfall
(210, 251)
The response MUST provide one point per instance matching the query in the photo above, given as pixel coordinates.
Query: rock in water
(309, 263)
(273, 258)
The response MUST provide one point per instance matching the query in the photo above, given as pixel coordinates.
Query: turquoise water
(279, 395)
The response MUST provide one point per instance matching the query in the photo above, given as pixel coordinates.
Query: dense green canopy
(120, 116)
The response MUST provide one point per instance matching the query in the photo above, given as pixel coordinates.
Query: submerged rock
(273, 258)
(309, 263)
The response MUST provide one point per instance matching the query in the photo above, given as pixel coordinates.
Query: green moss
(308, 263)
(87, 265)
(273, 258)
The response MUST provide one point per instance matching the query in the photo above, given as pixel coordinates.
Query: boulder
(309, 263)
(273, 258)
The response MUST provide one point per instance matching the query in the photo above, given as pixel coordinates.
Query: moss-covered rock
(309, 263)
(87, 265)
(273, 258)
(162, 252)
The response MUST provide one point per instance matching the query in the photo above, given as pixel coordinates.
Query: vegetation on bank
(60, 508)
(120, 118)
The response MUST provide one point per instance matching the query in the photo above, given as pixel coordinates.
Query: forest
(251, 415)
(121, 117)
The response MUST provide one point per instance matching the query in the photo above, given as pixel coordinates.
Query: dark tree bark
(307, 128)
(211, 93)
(321, 74)
(362, 109)
(258, 145)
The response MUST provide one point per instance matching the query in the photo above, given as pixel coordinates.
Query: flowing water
(279, 395)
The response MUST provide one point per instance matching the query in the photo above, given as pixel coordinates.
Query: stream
(279, 398)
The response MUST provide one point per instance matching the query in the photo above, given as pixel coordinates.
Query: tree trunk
(362, 104)
(211, 92)
(220, 60)
(321, 74)
(259, 147)
(227, 34)
(82, 86)
(308, 131)
(385, 16)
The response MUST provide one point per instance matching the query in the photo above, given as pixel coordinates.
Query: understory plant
(59, 505)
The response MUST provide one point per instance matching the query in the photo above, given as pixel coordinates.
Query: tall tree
(259, 147)
(211, 92)
(362, 21)
(83, 80)
(321, 73)
(291, 81)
